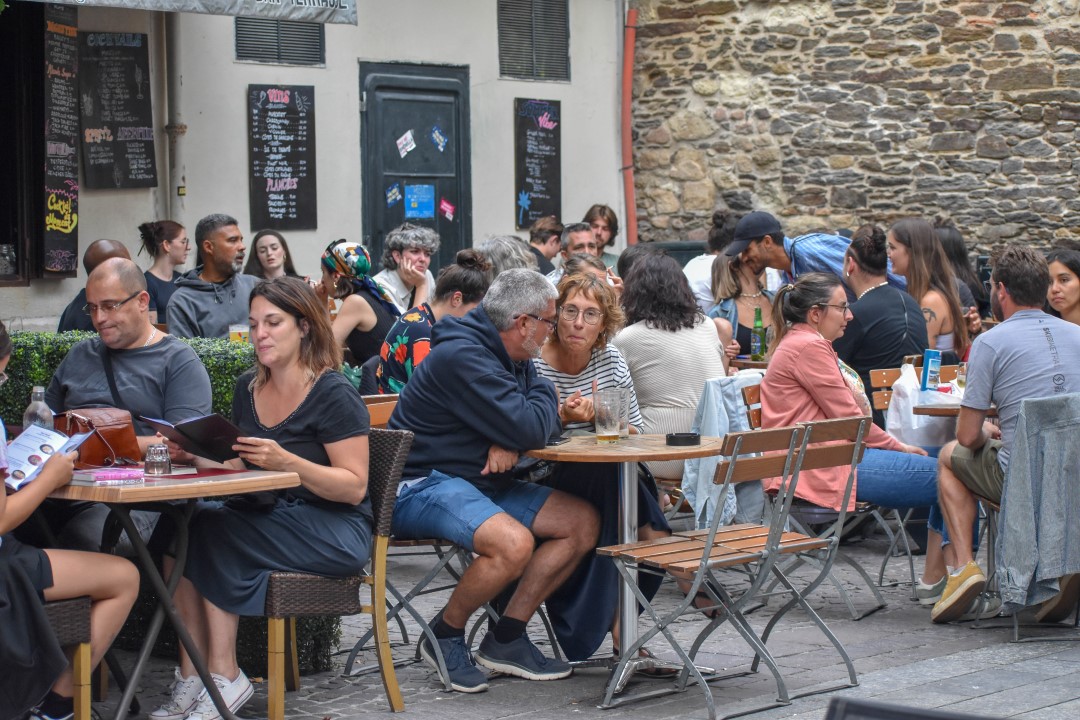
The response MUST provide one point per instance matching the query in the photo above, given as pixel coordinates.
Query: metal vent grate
(534, 39)
(282, 42)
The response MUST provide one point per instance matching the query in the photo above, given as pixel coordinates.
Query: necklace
(153, 335)
(872, 288)
(750, 296)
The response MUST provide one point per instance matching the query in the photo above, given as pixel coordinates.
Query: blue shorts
(451, 508)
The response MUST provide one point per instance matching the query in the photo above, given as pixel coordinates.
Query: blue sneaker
(464, 675)
(520, 658)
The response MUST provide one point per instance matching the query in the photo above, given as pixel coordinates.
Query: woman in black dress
(367, 312)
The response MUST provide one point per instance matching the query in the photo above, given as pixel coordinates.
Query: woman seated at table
(1064, 293)
(297, 414)
(367, 312)
(738, 294)
(111, 583)
(580, 360)
(806, 381)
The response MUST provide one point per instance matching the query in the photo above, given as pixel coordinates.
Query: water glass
(607, 405)
(157, 460)
(624, 412)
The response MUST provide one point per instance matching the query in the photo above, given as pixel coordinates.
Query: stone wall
(830, 114)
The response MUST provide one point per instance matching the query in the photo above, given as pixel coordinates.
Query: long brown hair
(929, 269)
(254, 265)
(319, 351)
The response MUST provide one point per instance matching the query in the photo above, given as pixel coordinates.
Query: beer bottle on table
(757, 337)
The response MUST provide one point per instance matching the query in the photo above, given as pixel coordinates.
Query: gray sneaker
(520, 658)
(983, 607)
(930, 594)
(464, 675)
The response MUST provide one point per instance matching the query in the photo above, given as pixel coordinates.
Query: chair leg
(382, 631)
(292, 658)
(275, 668)
(82, 672)
(100, 682)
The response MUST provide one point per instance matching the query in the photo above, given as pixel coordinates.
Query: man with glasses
(474, 405)
(577, 238)
(73, 317)
(155, 375)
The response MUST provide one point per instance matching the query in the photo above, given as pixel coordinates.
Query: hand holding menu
(209, 436)
(28, 452)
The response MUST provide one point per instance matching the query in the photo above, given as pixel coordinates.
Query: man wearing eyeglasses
(73, 317)
(155, 374)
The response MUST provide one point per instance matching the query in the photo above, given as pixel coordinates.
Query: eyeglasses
(108, 306)
(845, 308)
(570, 313)
(550, 323)
(3, 378)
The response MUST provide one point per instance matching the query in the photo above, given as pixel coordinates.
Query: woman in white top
(671, 348)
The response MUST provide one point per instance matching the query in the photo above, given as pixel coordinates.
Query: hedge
(36, 356)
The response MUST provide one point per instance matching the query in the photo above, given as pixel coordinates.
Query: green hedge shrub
(36, 356)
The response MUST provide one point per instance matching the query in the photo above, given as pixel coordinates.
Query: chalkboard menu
(117, 116)
(537, 160)
(281, 143)
(61, 239)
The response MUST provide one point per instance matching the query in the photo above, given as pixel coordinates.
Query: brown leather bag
(113, 442)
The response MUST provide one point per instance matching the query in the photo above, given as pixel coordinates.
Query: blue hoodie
(468, 395)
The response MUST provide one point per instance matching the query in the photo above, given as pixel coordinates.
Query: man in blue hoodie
(475, 404)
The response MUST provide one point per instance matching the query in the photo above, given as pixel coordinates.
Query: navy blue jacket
(468, 395)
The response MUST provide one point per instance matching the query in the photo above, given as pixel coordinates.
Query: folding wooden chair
(695, 556)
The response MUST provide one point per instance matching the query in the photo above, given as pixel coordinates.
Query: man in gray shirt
(1029, 355)
(215, 294)
(156, 375)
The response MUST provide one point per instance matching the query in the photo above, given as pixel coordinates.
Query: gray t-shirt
(166, 380)
(1030, 355)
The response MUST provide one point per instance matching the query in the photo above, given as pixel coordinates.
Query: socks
(442, 630)
(508, 629)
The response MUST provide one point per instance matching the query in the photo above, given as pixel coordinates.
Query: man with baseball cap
(760, 241)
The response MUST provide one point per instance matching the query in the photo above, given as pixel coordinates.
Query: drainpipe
(176, 129)
(629, 37)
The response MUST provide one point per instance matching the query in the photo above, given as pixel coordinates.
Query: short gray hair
(405, 236)
(517, 292)
(506, 252)
(568, 230)
(209, 224)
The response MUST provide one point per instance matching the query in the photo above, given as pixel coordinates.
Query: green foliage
(36, 355)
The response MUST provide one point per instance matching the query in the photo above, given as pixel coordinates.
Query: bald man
(156, 375)
(99, 251)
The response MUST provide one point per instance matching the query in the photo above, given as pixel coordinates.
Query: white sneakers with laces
(234, 692)
(185, 694)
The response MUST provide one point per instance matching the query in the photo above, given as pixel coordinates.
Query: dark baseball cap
(752, 226)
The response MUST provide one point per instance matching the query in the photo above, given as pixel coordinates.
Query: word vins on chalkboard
(61, 177)
(117, 115)
(537, 160)
(281, 143)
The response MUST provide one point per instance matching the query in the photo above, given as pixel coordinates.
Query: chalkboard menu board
(281, 142)
(117, 116)
(61, 239)
(537, 160)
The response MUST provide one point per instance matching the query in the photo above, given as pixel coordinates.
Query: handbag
(113, 442)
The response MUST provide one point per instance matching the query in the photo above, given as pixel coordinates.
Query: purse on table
(114, 441)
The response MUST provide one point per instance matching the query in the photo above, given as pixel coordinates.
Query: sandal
(707, 605)
(654, 673)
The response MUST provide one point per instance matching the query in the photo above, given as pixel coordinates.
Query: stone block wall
(830, 114)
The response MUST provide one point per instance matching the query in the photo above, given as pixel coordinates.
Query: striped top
(608, 368)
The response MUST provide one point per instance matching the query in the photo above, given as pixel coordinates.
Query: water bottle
(757, 337)
(37, 412)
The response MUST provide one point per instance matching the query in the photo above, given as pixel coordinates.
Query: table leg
(628, 513)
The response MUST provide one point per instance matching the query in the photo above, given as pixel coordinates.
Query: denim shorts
(450, 508)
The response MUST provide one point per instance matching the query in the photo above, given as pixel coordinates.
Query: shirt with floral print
(405, 347)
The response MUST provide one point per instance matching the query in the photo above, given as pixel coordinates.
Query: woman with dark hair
(699, 270)
(458, 289)
(166, 242)
(916, 253)
(806, 381)
(605, 226)
(1064, 292)
(297, 413)
(971, 290)
(367, 311)
(270, 256)
(670, 347)
(738, 294)
(886, 322)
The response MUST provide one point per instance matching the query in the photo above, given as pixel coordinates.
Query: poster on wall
(117, 115)
(537, 160)
(61, 109)
(281, 151)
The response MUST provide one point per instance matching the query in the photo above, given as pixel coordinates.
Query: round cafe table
(626, 453)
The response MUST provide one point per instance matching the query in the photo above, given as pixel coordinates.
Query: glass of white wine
(961, 376)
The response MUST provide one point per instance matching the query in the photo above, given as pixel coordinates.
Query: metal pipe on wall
(176, 129)
(629, 38)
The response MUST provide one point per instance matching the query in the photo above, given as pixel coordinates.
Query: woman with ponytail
(166, 242)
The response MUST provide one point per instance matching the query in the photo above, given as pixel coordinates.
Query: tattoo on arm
(929, 314)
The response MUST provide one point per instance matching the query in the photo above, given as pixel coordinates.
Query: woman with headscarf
(367, 312)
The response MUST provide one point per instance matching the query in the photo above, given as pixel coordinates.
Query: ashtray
(683, 439)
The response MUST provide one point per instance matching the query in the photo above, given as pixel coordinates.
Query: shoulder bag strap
(106, 359)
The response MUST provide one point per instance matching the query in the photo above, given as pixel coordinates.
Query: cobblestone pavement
(899, 655)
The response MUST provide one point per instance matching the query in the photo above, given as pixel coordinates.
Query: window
(280, 41)
(534, 39)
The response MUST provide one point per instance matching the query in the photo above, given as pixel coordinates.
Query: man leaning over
(1029, 355)
(474, 405)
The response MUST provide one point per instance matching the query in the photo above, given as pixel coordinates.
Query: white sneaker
(185, 693)
(235, 693)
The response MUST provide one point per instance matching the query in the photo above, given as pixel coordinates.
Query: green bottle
(757, 337)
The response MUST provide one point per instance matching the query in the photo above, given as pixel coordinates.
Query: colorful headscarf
(353, 261)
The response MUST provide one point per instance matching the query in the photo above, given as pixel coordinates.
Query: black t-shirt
(332, 411)
(160, 291)
(362, 344)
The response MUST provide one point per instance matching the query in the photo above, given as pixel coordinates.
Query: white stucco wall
(462, 32)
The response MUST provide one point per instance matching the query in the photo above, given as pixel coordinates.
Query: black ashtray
(683, 439)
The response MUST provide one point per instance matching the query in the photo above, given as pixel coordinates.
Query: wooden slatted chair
(292, 594)
(70, 621)
(696, 556)
(805, 514)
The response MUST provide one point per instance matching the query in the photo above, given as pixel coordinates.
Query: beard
(532, 347)
(995, 306)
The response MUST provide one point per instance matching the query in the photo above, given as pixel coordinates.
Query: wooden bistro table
(162, 495)
(626, 453)
(747, 364)
(945, 411)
